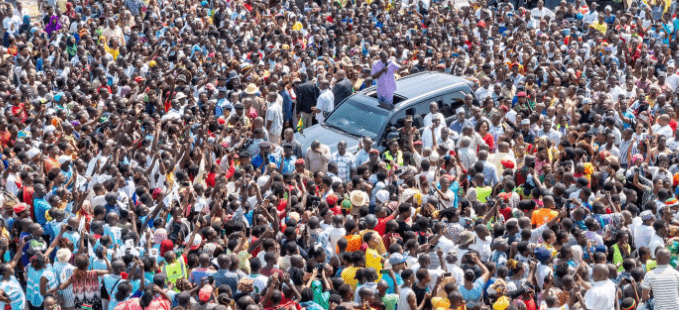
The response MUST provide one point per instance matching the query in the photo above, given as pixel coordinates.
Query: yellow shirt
(374, 260)
(380, 248)
(601, 27)
(349, 277)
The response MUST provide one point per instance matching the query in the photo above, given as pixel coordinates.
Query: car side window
(451, 101)
(397, 119)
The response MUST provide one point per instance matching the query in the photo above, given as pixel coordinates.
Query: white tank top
(403, 299)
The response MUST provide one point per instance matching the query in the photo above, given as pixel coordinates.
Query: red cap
(373, 151)
(20, 207)
(299, 162)
(481, 24)
(418, 142)
(521, 94)
(504, 108)
(507, 164)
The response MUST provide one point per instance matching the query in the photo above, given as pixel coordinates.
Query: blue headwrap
(195, 49)
(57, 96)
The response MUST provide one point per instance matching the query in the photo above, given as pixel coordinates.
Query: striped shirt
(625, 147)
(15, 293)
(344, 164)
(661, 280)
(33, 283)
(64, 271)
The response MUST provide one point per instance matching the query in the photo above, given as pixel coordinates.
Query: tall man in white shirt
(433, 110)
(541, 12)
(326, 101)
(431, 133)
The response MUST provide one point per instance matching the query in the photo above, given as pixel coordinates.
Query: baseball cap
(396, 258)
(196, 242)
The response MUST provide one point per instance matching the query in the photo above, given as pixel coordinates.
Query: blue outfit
(390, 281)
(15, 293)
(258, 161)
(33, 284)
(41, 206)
(288, 164)
(287, 106)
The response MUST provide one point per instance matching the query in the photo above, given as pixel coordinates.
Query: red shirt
(382, 224)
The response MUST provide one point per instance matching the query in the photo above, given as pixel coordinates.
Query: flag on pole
(300, 125)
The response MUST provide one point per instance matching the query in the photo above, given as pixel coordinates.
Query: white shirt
(427, 139)
(274, 114)
(483, 247)
(541, 272)
(552, 134)
(537, 13)
(11, 23)
(460, 253)
(171, 114)
(335, 234)
(664, 130)
(661, 281)
(643, 234)
(482, 93)
(11, 185)
(325, 103)
(656, 241)
(601, 295)
(673, 81)
(590, 17)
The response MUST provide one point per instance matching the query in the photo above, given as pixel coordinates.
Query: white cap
(64, 158)
(49, 128)
(32, 153)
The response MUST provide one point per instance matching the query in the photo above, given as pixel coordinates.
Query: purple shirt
(386, 83)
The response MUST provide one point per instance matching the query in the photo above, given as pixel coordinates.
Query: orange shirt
(353, 243)
(541, 216)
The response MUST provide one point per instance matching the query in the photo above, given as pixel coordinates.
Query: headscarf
(69, 10)
(159, 236)
(71, 48)
(53, 25)
(165, 246)
(320, 297)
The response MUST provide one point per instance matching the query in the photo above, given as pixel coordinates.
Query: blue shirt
(258, 161)
(390, 281)
(15, 293)
(41, 206)
(491, 174)
(288, 164)
(33, 284)
(457, 125)
(287, 106)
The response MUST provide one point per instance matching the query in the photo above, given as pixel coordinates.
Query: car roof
(422, 83)
(411, 87)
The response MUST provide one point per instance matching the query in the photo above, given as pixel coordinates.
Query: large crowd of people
(152, 156)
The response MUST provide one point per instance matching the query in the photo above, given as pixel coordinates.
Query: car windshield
(358, 119)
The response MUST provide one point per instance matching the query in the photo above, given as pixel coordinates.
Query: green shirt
(390, 301)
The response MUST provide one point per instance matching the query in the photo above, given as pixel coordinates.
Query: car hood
(327, 136)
